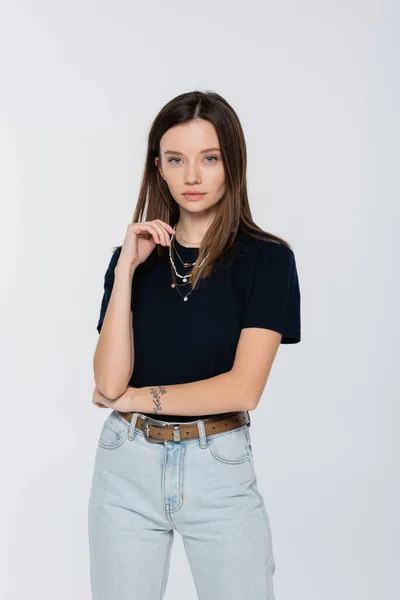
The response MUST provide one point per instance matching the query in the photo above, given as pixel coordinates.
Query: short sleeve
(274, 298)
(108, 285)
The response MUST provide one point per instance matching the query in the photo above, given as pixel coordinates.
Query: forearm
(227, 392)
(114, 356)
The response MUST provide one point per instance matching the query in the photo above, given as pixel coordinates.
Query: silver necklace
(185, 264)
(183, 277)
(175, 285)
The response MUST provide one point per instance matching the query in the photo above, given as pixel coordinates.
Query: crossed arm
(238, 389)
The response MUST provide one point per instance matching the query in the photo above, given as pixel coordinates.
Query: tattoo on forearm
(157, 392)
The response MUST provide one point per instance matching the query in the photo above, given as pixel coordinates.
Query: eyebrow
(202, 152)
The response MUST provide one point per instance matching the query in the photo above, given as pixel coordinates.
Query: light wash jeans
(204, 488)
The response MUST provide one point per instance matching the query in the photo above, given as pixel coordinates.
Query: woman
(196, 302)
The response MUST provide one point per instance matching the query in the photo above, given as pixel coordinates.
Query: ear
(158, 165)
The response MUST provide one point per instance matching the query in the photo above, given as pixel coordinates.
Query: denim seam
(269, 550)
(164, 470)
(228, 461)
(165, 570)
(224, 459)
(108, 423)
(168, 515)
(122, 420)
(119, 441)
(180, 483)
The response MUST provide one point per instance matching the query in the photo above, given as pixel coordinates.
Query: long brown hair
(232, 213)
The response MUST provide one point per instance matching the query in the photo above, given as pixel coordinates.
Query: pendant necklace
(175, 273)
(185, 264)
(176, 286)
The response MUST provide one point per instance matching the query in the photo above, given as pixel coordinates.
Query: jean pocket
(113, 433)
(230, 447)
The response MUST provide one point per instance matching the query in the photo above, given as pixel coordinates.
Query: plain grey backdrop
(316, 87)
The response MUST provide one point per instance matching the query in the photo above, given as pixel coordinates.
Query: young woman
(196, 302)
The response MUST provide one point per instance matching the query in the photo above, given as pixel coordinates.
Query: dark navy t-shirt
(177, 341)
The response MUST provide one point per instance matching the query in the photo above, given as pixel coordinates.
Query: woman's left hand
(123, 403)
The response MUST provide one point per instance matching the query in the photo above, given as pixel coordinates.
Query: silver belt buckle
(145, 428)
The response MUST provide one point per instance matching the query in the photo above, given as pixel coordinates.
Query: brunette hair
(232, 214)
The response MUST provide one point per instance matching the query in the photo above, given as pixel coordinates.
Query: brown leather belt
(162, 431)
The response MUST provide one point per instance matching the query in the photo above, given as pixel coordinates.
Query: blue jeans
(204, 488)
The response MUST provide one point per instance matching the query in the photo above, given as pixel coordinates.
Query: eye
(215, 158)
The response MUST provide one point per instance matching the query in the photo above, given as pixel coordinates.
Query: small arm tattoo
(157, 392)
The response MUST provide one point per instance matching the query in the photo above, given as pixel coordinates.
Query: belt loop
(132, 426)
(248, 419)
(202, 433)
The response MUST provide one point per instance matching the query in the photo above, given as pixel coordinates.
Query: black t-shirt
(177, 341)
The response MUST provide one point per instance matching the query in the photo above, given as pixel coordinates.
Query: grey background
(316, 87)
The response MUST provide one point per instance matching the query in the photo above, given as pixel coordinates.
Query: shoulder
(265, 250)
(261, 262)
(112, 262)
(115, 255)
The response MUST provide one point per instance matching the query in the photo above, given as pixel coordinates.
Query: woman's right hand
(138, 245)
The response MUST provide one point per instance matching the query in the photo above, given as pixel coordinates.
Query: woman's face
(190, 161)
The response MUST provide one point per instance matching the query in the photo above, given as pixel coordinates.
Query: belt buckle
(145, 427)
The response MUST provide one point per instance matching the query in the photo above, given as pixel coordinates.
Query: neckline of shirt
(189, 249)
(194, 250)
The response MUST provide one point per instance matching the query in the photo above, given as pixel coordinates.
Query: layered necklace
(175, 273)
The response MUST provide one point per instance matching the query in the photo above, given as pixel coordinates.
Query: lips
(193, 196)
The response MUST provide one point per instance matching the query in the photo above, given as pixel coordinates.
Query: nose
(192, 174)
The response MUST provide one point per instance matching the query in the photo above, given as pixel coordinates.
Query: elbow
(253, 396)
(110, 390)
(244, 394)
(252, 403)
(111, 385)
(111, 394)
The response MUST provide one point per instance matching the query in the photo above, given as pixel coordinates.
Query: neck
(190, 231)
